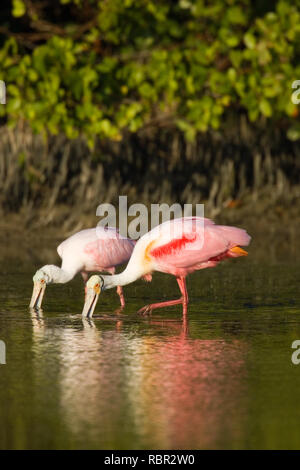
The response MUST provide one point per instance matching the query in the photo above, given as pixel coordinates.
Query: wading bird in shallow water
(94, 249)
(178, 247)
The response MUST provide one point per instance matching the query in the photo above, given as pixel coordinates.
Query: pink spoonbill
(96, 249)
(178, 247)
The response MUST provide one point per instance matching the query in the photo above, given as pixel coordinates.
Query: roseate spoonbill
(178, 247)
(94, 249)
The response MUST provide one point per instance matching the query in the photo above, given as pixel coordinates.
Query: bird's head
(94, 286)
(40, 280)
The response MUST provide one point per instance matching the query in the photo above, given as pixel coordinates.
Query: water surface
(223, 379)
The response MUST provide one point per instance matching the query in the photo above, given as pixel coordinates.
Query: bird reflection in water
(153, 385)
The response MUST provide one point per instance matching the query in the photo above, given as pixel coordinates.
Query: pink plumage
(96, 249)
(200, 246)
(180, 247)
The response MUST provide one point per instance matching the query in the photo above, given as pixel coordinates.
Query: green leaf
(249, 40)
(19, 8)
(265, 108)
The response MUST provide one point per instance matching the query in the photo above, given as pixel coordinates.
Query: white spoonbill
(178, 247)
(94, 249)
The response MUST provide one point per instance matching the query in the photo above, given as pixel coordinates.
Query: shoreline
(274, 229)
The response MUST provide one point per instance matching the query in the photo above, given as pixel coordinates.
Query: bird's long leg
(121, 295)
(184, 300)
(119, 289)
(185, 295)
(85, 278)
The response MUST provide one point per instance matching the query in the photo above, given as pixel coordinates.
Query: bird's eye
(42, 281)
(97, 285)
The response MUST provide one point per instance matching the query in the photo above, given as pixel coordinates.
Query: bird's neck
(126, 277)
(58, 275)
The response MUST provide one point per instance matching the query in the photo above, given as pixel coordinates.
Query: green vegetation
(186, 100)
(98, 68)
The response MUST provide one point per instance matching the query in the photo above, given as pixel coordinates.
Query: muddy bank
(275, 231)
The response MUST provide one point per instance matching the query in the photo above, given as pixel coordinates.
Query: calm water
(222, 380)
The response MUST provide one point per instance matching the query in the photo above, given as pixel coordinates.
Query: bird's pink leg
(85, 278)
(121, 295)
(119, 289)
(184, 300)
(185, 295)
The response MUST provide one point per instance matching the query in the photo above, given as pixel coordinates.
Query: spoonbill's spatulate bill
(178, 247)
(96, 249)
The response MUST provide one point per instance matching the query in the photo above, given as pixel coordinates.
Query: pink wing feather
(235, 236)
(198, 249)
(110, 251)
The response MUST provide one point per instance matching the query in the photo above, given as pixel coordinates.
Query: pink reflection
(155, 388)
(190, 393)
